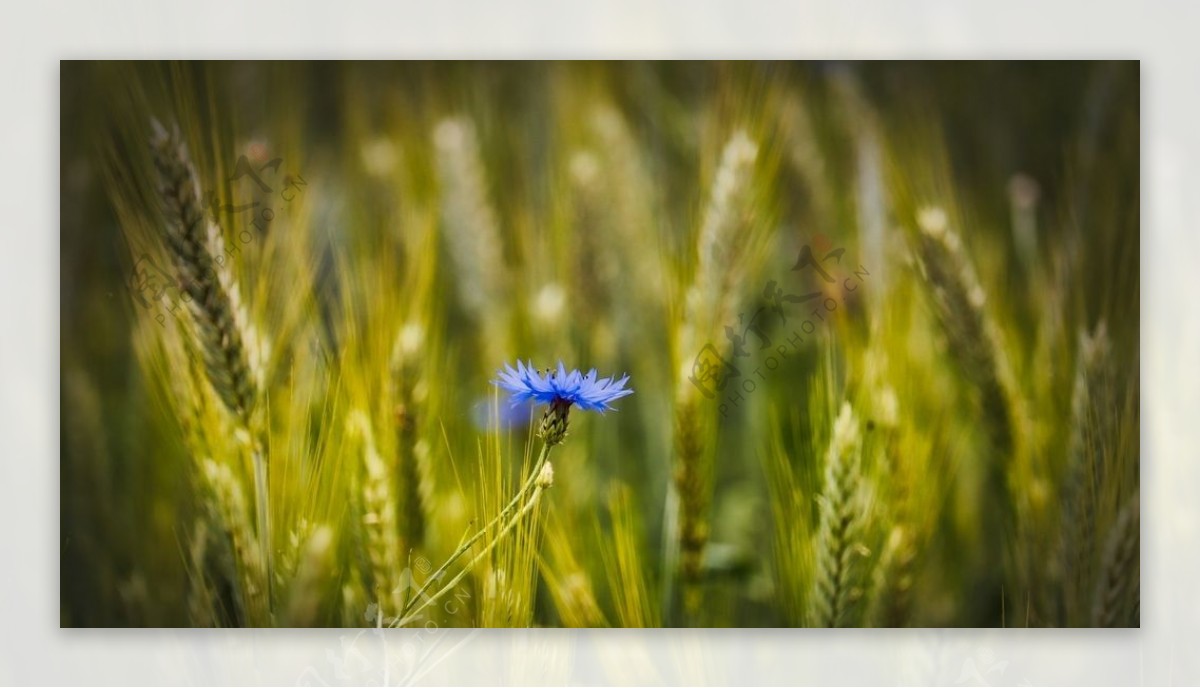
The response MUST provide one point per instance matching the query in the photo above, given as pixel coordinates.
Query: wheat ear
(471, 230)
(837, 542)
(208, 287)
(724, 247)
(973, 337)
(231, 349)
(974, 342)
(379, 516)
(230, 511)
(1118, 590)
(1093, 419)
(201, 600)
(414, 474)
(312, 571)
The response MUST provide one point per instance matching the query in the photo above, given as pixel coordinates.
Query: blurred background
(402, 230)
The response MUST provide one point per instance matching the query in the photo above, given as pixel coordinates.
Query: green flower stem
(530, 484)
(529, 505)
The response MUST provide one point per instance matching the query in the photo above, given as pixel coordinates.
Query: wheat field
(879, 322)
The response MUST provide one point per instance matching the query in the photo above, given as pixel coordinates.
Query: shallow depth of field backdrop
(880, 321)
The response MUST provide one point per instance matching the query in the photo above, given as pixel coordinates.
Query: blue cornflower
(591, 394)
(560, 390)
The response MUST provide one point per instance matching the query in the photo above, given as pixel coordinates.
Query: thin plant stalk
(530, 484)
(262, 487)
(540, 485)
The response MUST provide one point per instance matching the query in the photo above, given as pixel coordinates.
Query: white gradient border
(33, 37)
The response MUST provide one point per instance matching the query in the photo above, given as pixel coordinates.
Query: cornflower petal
(588, 391)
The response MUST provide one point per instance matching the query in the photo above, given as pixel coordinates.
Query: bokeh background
(455, 216)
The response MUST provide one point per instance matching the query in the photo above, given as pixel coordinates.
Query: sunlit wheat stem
(791, 542)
